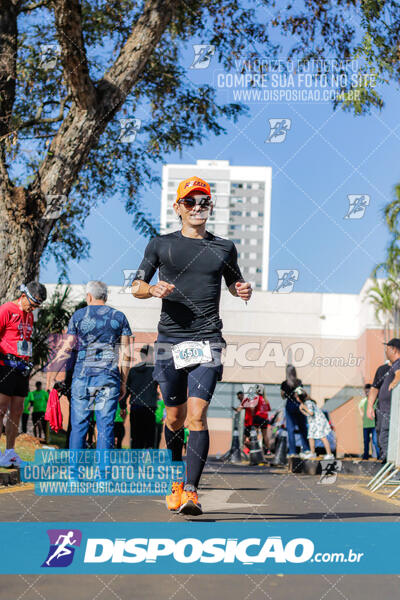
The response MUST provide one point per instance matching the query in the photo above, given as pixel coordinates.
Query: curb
(10, 477)
(349, 467)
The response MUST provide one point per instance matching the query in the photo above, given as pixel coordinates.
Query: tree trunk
(19, 242)
(24, 232)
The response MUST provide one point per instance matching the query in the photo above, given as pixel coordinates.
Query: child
(318, 426)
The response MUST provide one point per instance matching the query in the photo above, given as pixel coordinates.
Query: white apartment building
(242, 199)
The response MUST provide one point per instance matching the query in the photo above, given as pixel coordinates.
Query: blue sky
(326, 156)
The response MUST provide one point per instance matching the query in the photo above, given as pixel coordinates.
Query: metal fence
(388, 474)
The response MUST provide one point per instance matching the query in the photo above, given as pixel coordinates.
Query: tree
(381, 296)
(385, 294)
(59, 117)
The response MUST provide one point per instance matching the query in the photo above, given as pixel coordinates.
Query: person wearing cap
(247, 404)
(388, 381)
(16, 327)
(261, 414)
(191, 264)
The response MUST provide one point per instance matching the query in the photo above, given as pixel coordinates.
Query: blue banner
(102, 472)
(201, 547)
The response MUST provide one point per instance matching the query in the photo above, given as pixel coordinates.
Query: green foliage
(53, 317)
(384, 294)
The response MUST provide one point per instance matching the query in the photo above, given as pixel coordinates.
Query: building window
(236, 213)
(254, 200)
(260, 214)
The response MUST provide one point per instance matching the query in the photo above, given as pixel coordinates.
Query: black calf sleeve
(196, 455)
(174, 441)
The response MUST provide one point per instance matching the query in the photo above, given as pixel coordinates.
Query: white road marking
(218, 501)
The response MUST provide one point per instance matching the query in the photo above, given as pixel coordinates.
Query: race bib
(186, 354)
(24, 348)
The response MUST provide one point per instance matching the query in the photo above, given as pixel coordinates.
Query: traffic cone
(280, 457)
(234, 455)
(256, 454)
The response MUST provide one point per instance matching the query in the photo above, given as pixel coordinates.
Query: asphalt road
(228, 494)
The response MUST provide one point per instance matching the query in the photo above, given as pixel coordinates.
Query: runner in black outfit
(191, 264)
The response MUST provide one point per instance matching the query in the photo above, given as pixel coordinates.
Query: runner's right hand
(162, 289)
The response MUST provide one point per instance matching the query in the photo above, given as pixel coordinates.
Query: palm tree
(392, 212)
(381, 296)
(385, 294)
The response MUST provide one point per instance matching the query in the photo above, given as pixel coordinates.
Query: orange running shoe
(190, 504)
(174, 499)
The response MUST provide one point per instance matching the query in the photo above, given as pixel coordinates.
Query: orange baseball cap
(190, 185)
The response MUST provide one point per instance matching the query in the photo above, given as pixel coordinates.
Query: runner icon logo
(329, 471)
(357, 206)
(62, 547)
(286, 280)
(278, 129)
(202, 56)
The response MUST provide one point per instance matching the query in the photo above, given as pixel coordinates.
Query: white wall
(345, 316)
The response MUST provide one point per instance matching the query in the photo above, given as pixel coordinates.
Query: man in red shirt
(248, 404)
(16, 327)
(261, 416)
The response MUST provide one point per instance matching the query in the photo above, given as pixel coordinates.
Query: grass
(25, 446)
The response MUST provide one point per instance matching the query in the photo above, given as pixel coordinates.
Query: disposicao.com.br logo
(246, 551)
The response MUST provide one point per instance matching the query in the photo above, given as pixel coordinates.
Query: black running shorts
(177, 385)
(12, 382)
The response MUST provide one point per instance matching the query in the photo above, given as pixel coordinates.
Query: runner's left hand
(243, 290)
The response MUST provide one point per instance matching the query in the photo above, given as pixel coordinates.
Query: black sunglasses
(203, 202)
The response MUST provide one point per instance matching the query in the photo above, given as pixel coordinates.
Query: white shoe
(308, 454)
(10, 459)
(329, 457)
